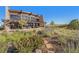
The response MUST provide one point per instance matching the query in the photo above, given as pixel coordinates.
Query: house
(14, 17)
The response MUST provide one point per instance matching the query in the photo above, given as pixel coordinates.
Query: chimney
(7, 16)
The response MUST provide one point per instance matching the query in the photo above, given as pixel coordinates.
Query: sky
(58, 14)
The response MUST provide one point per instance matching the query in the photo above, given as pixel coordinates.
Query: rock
(45, 41)
(38, 51)
(51, 52)
(49, 46)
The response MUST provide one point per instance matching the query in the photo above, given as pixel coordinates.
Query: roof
(20, 11)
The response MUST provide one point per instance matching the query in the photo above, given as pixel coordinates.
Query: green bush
(24, 41)
(74, 24)
(52, 23)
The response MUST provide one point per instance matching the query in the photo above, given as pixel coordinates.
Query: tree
(52, 23)
(74, 24)
(22, 22)
(1, 27)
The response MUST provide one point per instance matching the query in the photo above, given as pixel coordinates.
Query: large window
(14, 17)
(26, 17)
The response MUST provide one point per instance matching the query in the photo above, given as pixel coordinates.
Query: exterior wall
(33, 20)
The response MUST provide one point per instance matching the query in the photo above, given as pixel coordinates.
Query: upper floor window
(14, 17)
(26, 17)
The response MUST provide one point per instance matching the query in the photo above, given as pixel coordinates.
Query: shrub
(24, 41)
(74, 24)
(52, 23)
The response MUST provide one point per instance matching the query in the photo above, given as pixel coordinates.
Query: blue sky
(58, 14)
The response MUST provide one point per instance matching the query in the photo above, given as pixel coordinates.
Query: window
(14, 17)
(37, 20)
